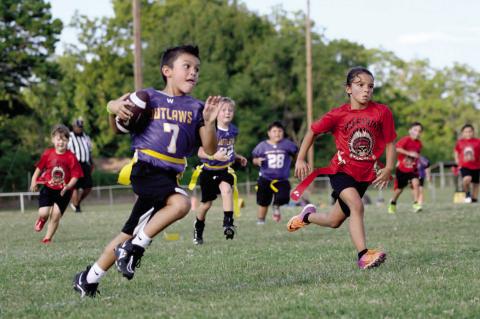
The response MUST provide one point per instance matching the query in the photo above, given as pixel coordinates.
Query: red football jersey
(58, 169)
(360, 137)
(408, 164)
(468, 153)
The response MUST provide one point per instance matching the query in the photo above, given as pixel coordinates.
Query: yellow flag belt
(126, 171)
(198, 171)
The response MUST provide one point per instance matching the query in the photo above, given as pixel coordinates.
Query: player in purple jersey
(216, 175)
(178, 122)
(274, 157)
(423, 168)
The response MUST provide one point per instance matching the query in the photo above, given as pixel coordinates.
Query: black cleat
(229, 232)
(198, 233)
(81, 285)
(128, 258)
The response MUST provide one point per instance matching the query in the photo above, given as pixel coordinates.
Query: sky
(441, 31)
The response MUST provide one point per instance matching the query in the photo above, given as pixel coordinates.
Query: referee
(81, 145)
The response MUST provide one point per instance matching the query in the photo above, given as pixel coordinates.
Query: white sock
(141, 239)
(95, 274)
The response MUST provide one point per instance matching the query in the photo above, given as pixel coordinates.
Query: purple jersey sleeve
(278, 158)
(172, 131)
(226, 140)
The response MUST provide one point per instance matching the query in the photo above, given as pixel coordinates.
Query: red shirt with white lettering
(360, 137)
(468, 153)
(58, 169)
(408, 164)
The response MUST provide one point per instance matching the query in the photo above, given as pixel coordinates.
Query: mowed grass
(432, 269)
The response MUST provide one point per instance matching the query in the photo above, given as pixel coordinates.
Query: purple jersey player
(274, 157)
(423, 167)
(171, 135)
(216, 175)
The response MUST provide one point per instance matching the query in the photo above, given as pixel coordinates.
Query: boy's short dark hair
(171, 54)
(276, 124)
(467, 126)
(416, 124)
(62, 130)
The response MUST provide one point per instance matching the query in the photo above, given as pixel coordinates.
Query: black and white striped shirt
(81, 146)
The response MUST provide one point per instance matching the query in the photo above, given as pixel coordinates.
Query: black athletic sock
(227, 218)
(305, 218)
(363, 252)
(474, 200)
(200, 222)
(393, 202)
(467, 194)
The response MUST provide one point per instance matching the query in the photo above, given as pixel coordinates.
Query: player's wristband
(108, 111)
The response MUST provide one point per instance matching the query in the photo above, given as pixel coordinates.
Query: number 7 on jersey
(174, 129)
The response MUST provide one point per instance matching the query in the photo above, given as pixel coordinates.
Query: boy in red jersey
(363, 129)
(59, 170)
(408, 153)
(467, 157)
(178, 124)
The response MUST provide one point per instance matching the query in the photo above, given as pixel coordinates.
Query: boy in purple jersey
(274, 157)
(216, 175)
(177, 122)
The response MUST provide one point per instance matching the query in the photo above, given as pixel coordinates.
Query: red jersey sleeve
(388, 126)
(42, 162)
(458, 149)
(325, 124)
(76, 168)
(402, 142)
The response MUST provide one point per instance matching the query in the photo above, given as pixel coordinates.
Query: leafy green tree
(27, 40)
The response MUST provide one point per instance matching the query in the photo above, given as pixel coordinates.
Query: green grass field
(432, 269)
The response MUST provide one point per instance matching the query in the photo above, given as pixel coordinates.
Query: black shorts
(421, 181)
(402, 179)
(474, 173)
(49, 196)
(154, 186)
(85, 181)
(210, 181)
(265, 192)
(341, 181)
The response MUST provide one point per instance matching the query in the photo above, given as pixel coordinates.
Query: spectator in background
(81, 145)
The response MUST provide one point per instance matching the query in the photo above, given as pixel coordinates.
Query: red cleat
(46, 240)
(39, 224)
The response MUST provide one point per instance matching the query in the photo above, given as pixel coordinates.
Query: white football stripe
(137, 101)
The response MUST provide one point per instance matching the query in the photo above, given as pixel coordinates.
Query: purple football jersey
(226, 140)
(172, 131)
(278, 158)
(422, 165)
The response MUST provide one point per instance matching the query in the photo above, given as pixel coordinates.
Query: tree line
(259, 61)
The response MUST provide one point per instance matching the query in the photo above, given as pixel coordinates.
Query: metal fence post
(442, 175)
(22, 204)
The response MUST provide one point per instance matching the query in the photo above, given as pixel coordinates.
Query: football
(141, 114)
